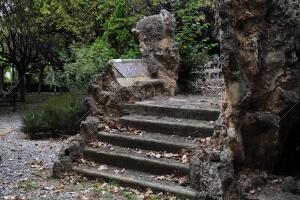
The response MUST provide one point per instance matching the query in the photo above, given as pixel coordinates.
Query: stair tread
(129, 153)
(195, 102)
(136, 178)
(178, 107)
(184, 142)
(168, 121)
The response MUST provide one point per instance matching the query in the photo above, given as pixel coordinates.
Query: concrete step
(138, 179)
(170, 126)
(175, 111)
(148, 141)
(129, 159)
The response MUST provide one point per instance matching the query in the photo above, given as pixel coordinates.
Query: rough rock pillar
(158, 47)
(260, 57)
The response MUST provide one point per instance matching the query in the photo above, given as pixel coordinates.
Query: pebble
(16, 165)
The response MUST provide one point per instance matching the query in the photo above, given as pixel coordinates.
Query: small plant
(89, 60)
(129, 195)
(58, 115)
(155, 197)
(99, 192)
(28, 185)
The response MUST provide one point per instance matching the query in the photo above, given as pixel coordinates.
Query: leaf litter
(113, 126)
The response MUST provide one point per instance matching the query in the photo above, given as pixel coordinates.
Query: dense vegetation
(63, 43)
(60, 115)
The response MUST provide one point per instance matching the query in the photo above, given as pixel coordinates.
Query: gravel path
(25, 168)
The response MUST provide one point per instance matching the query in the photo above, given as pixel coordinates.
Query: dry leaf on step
(103, 167)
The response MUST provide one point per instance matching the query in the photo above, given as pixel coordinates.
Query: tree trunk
(22, 85)
(28, 81)
(41, 80)
(1, 78)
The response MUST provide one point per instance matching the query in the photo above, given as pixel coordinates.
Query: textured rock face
(157, 45)
(212, 170)
(107, 96)
(260, 57)
(71, 151)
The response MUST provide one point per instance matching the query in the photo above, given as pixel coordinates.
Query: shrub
(89, 59)
(58, 115)
(194, 36)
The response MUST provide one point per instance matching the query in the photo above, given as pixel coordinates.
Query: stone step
(170, 126)
(138, 179)
(148, 141)
(128, 159)
(144, 108)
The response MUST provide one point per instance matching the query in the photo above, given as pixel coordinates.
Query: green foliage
(28, 185)
(193, 35)
(75, 18)
(89, 59)
(116, 18)
(75, 39)
(117, 28)
(115, 40)
(129, 195)
(59, 114)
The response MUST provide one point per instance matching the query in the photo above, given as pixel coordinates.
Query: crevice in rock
(289, 163)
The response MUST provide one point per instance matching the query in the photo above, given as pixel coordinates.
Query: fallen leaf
(152, 154)
(160, 178)
(49, 188)
(103, 167)
(139, 151)
(252, 191)
(170, 155)
(184, 159)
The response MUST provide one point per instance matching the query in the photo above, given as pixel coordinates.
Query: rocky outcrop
(260, 57)
(107, 94)
(211, 168)
(107, 97)
(158, 47)
(71, 151)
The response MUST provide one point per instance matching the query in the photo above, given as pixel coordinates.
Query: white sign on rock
(129, 71)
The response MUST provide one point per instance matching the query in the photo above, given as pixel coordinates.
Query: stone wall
(260, 58)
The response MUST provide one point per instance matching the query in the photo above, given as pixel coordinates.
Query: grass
(129, 195)
(28, 185)
(99, 192)
(155, 197)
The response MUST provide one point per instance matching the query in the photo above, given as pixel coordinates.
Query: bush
(89, 59)
(58, 115)
(194, 36)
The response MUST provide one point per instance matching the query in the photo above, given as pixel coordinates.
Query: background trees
(79, 36)
(61, 44)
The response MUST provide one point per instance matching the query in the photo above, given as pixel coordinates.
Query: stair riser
(171, 129)
(137, 183)
(205, 115)
(144, 165)
(152, 145)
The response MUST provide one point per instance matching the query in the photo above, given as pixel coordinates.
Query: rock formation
(158, 47)
(260, 57)
(107, 95)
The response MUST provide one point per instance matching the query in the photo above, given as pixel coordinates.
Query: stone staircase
(170, 126)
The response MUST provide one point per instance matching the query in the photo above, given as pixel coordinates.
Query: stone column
(156, 35)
